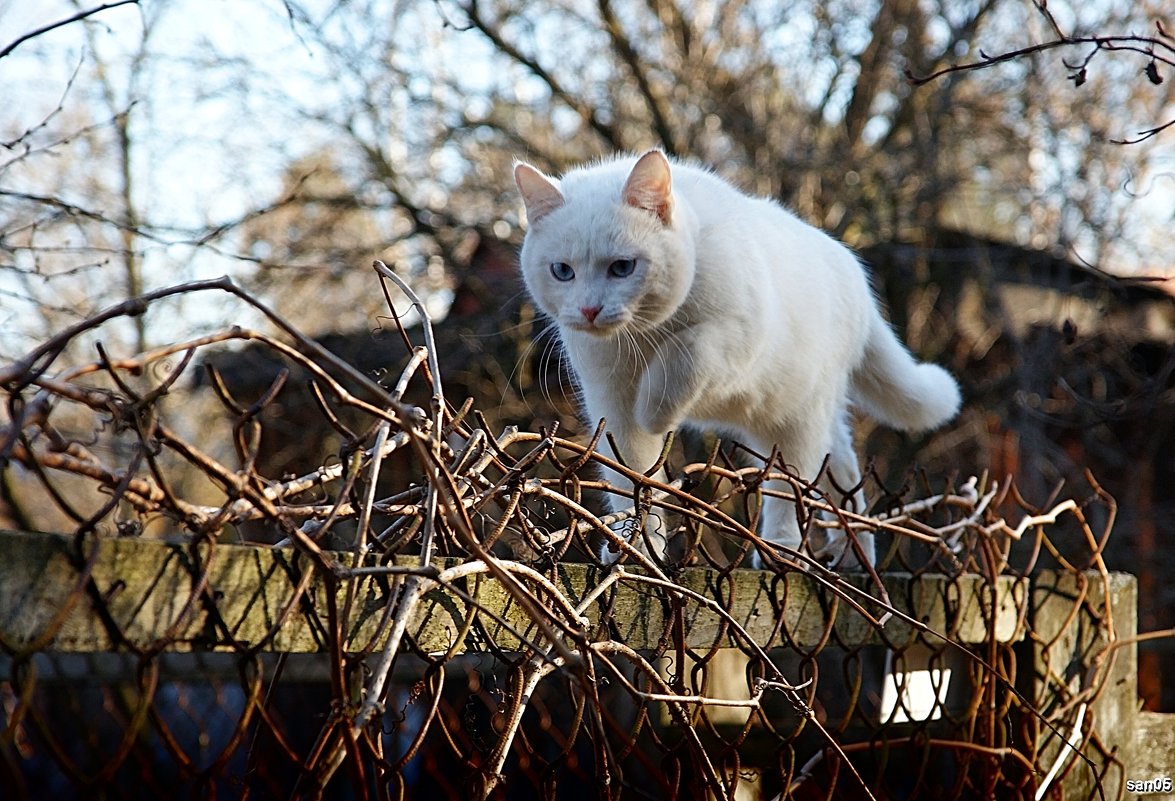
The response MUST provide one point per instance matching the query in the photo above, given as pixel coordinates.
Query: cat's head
(605, 250)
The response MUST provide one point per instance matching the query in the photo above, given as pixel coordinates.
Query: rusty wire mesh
(599, 683)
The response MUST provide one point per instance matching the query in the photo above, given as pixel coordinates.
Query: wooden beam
(1069, 635)
(106, 594)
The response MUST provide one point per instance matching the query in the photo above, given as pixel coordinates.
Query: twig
(17, 42)
(1063, 756)
(1143, 45)
(427, 544)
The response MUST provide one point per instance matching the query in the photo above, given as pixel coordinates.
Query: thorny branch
(501, 507)
(1157, 50)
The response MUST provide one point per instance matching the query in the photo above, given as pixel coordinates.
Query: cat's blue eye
(562, 271)
(622, 268)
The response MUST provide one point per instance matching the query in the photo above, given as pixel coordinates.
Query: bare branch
(589, 115)
(15, 43)
(1142, 45)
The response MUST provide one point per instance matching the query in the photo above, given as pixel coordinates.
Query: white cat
(681, 301)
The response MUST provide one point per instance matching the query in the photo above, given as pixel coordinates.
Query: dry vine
(510, 506)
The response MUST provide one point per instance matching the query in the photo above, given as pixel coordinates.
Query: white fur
(738, 317)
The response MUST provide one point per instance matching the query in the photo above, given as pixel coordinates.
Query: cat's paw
(652, 541)
(755, 562)
(836, 552)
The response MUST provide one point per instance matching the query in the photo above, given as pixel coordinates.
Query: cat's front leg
(801, 446)
(777, 521)
(639, 450)
(834, 547)
(804, 447)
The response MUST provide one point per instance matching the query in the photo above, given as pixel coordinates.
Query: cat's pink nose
(590, 312)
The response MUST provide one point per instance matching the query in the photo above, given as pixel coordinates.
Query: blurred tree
(805, 102)
(416, 108)
(119, 96)
(310, 250)
(68, 213)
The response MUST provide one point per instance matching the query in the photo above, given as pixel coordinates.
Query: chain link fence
(425, 615)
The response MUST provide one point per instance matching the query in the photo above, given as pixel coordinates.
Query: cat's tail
(894, 388)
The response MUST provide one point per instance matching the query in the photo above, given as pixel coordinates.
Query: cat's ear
(539, 193)
(650, 187)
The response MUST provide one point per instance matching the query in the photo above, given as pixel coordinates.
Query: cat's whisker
(669, 338)
(553, 348)
(514, 328)
(654, 345)
(548, 338)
